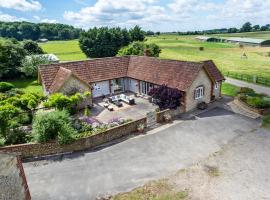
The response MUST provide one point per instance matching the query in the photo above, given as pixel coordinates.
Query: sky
(155, 15)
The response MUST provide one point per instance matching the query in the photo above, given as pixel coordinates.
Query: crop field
(64, 50)
(228, 57)
(259, 35)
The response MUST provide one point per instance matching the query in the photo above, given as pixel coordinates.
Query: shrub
(247, 91)
(258, 102)
(201, 48)
(16, 136)
(87, 112)
(7, 112)
(4, 86)
(53, 125)
(60, 101)
(266, 121)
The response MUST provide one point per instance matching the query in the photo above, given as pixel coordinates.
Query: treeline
(106, 42)
(247, 27)
(32, 31)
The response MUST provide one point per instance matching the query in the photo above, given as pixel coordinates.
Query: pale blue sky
(157, 15)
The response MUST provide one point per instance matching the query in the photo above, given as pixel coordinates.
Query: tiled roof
(175, 74)
(61, 76)
(213, 71)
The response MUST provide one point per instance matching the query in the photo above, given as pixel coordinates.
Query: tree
(166, 98)
(263, 28)
(137, 34)
(247, 27)
(32, 47)
(256, 27)
(11, 57)
(150, 33)
(139, 48)
(103, 42)
(158, 33)
(232, 30)
(30, 65)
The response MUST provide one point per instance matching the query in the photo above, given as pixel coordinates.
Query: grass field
(28, 85)
(229, 89)
(64, 50)
(228, 57)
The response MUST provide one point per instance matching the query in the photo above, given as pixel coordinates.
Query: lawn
(228, 57)
(229, 89)
(64, 50)
(259, 35)
(27, 85)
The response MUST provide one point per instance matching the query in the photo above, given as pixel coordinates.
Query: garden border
(260, 111)
(50, 148)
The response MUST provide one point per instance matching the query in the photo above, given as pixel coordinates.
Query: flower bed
(259, 103)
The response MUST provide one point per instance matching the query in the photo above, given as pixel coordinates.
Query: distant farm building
(249, 41)
(43, 40)
(208, 39)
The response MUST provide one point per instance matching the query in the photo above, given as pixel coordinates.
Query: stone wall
(13, 185)
(259, 111)
(173, 113)
(201, 80)
(72, 83)
(34, 150)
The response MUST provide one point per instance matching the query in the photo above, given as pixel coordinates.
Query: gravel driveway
(134, 162)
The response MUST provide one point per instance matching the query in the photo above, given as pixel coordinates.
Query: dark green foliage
(54, 125)
(16, 136)
(106, 42)
(258, 102)
(7, 113)
(137, 34)
(4, 86)
(27, 30)
(11, 56)
(247, 27)
(32, 47)
(139, 48)
(266, 121)
(103, 42)
(247, 91)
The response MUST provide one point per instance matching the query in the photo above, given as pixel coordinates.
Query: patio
(136, 111)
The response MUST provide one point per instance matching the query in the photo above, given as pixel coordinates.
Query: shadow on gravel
(215, 112)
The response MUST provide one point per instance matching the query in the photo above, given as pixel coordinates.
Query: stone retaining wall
(173, 113)
(42, 149)
(266, 111)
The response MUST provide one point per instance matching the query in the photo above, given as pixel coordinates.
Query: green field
(228, 57)
(64, 50)
(27, 85)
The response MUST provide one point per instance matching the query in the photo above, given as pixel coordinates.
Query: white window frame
(199, 92)
(216, 85)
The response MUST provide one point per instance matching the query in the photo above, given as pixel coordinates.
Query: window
(216, 85)
(199, 92)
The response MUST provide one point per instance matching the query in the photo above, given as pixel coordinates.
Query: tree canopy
(106, 42)
(139, 48)
(32, 47)
(32, 31)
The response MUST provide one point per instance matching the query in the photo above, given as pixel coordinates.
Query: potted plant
(141, 127)
(167, 118)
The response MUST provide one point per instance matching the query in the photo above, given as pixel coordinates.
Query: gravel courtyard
(234, 145)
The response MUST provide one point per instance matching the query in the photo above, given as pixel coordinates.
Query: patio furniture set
(117, 100)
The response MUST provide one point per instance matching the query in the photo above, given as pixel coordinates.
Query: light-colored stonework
(73, 82)
(201, 80)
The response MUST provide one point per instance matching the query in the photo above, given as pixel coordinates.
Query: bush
(53, 125)
(247, 91)
(4, 86)
(266, 121)
(16, 136)
(258, 102)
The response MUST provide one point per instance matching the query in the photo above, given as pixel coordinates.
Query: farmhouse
(249, 41)
(208, 39)
(198, 81)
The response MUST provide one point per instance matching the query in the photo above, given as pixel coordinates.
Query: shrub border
(260, 111)
(50, 148)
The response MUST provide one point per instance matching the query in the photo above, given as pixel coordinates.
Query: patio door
(146, 87)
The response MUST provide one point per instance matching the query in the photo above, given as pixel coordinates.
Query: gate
(151, 118)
